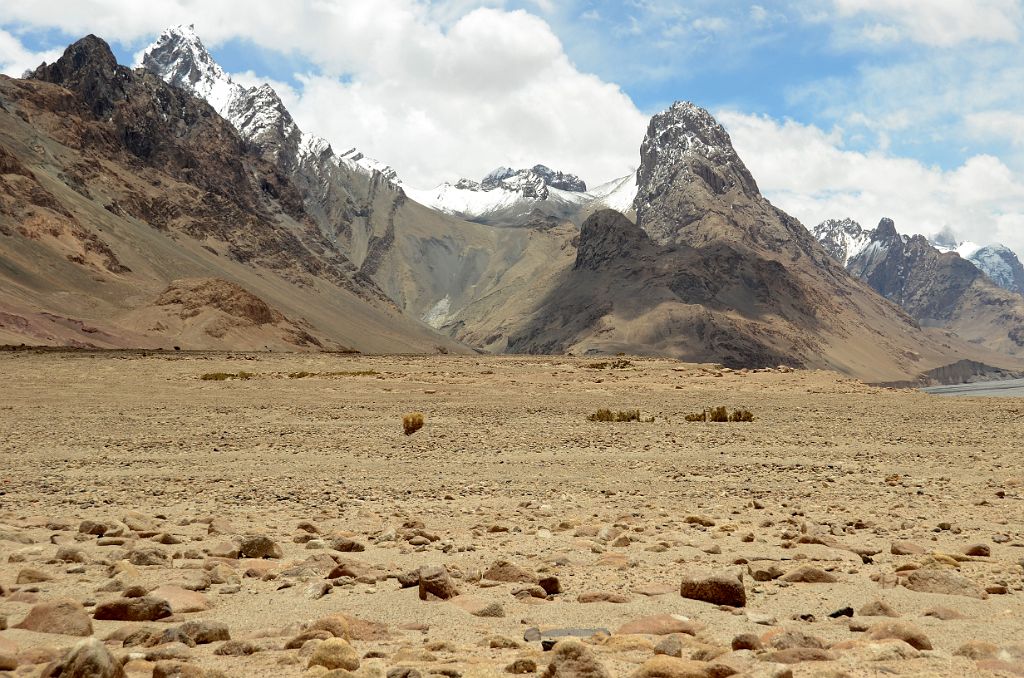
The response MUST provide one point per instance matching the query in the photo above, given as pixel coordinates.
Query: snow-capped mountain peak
(843, 239)
(179, 58)
(509, 193)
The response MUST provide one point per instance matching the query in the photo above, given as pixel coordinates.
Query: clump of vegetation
(624, 415)
(720, 415)
(224, 376)
(301, 375)
(412, 422)
(355, 373)
(620, 364)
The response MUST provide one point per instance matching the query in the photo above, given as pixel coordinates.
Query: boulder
(573, 659)
(90, 658)
(719, 588)
(436, 584)
(64, 617)
(146, 608)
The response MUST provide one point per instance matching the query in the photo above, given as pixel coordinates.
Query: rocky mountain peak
(88, 66)
(1001, 265)
(179, 57)
(842, 238)
(688, 135)
(886, 231)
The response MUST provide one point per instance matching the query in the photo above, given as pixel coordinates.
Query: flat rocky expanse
(283, 524)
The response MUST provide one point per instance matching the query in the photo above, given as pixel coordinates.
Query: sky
(909, 109)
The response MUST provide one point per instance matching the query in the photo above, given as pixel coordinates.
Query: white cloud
(435, 93)
(809, 173)
(941, 23)
(998, 125)
(15, 58)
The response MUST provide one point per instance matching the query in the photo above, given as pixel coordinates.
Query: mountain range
(169, 206)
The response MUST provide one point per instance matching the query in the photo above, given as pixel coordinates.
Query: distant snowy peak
(843, 239)
(1001, 265)
(506, 194)
(506, 190)
(179, 58)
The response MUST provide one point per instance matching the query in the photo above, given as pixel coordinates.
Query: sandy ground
(831, 474)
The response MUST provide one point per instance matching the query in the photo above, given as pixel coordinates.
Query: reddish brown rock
(661, 625)
(64, 617)
(720, 588)
(908, 633)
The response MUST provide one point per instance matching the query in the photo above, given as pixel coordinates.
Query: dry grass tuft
(224, 376)
(615, 365)
(720, 415)
(608, 415)
(412, 422)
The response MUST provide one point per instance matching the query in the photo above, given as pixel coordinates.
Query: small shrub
(412, 422)
(625, 415)
(301, 375)
(621, 364)
(355, 373)
(615, 365)
(721, 414)
(597, 366)
(718, 414)
(224, 376)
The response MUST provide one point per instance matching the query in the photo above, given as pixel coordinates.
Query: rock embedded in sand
(719, 588)
(506, 571)
(88, 659)
(661, 625)
(573, 659)
(479, 607)
(904, 631)
(64, 617)
(146, 608)
(182, 600)
(935, 580)
(808, 574)
(436, 584)
(602, 597)
(664, 666)
(877, 608)
(334, 653)
(906, 548)
(30, 575)
(259, 546)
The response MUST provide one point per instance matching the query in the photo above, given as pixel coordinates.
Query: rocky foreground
(264, 515)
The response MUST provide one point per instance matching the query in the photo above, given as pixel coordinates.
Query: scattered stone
(237, 648)
(908, 633)
(661, 625)
(521, 667)
(259, 546)
(978, 650)
(663, 666)
(31, 575)
(436, 584)
(877, 608)
(602, 597)
(785, 639)
(149, 555)
(64, 617)
(335, 653)
(479, 607)
(506, 571)
(551, 585)
(746, 641)
(669, 646)
(722, 588)
(182, 600)
(934, 580)
(906, 548)
(762, 572)
(944, 613)
(146, 608)
(88, 659)
(203, 632)
(978, 550)
(573, 659)
(799, 655)
(810, 575)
